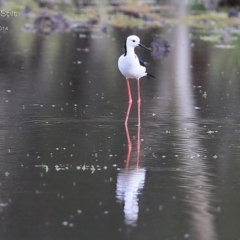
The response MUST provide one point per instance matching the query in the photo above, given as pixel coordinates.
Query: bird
(132, 67)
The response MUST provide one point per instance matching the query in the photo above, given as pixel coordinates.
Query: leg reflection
(138, 146)
(130, 181)
(129, 147)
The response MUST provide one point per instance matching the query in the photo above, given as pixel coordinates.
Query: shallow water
(66, 169)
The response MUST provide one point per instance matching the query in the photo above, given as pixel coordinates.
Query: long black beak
(140, 45)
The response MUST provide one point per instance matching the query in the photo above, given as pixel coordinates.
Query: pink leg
(138, 137)
(139, 102)
(129, 101)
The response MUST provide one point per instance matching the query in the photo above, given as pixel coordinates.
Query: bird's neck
(129, 51)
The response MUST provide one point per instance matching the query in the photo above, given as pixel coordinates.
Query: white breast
(130, 67)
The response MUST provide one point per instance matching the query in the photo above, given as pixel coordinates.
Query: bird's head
(134, 41)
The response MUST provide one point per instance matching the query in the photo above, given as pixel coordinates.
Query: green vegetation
(65, 16)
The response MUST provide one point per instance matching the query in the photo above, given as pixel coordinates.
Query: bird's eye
(133, 40)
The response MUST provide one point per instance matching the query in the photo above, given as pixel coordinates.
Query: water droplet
(79, 211)
(186, 235)
(65, 223)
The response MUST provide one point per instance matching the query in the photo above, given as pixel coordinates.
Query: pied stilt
(132, 67)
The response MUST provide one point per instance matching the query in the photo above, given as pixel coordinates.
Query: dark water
(65, 167)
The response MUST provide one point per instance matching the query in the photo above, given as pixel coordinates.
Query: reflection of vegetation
(212, 38)
(121, 20)
(131, 15)
(218, 38)
(209, 20)
(215, 27)
(77, 16)
(74, 15)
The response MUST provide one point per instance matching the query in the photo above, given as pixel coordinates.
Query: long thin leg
(129, 101)
(138, 137)
(139, 101)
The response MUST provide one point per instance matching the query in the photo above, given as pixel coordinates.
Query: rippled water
(66, 166)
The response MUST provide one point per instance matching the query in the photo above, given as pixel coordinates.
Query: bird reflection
(130, 181)
(160, 48)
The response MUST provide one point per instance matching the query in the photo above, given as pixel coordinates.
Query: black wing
(141, 62)
(150, 75)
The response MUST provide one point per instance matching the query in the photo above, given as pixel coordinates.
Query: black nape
(125, 48)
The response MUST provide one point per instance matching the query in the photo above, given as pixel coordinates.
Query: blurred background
(66, 166)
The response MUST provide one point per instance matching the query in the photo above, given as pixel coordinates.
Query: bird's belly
(131, 68)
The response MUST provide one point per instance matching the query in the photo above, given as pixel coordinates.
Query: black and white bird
(132, 67)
